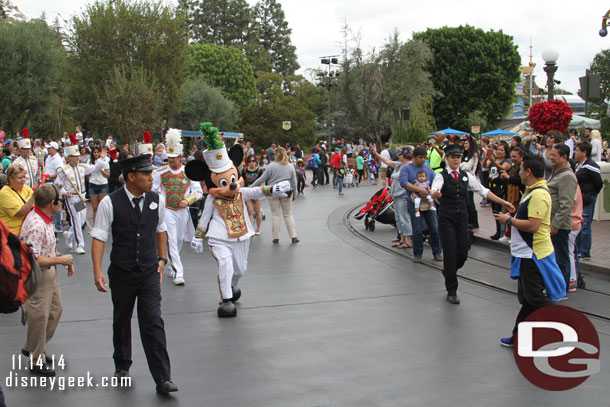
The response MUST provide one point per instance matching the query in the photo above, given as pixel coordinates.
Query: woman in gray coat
(280, 170)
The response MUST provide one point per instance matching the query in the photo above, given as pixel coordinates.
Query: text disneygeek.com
(16, 380)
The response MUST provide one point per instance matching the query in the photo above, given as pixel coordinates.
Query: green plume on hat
(211, 136)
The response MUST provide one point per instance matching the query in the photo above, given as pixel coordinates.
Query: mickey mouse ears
(195, 170)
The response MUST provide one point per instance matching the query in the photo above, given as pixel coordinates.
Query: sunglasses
(252, 161)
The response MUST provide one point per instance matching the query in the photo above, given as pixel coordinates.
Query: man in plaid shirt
(43, 308)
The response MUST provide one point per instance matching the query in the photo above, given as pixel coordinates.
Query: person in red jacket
(335, 163)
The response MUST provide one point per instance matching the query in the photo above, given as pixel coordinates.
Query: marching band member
(71, 177)
(26, 160)
(179, 193)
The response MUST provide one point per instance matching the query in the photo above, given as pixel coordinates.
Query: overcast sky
(571, 27)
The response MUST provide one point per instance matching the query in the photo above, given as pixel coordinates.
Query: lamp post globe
(550, 57)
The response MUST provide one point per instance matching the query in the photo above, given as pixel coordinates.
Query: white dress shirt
(473, 183)
(105, 216)
(52, 163)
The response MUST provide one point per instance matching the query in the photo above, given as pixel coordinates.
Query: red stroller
(380, 208)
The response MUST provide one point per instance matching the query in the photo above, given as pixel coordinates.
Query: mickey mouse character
(225, 221)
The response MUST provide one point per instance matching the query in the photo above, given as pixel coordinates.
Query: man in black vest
(135, 216)
(450, 187)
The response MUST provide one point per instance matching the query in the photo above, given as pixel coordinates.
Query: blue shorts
(95, 189)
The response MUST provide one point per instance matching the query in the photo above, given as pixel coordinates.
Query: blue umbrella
(499, 132)
(449, 130)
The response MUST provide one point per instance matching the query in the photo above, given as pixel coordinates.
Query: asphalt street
(331, 321)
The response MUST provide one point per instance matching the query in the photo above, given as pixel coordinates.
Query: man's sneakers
(179, 281)
(508, 341)
(572, 287)
(79, 250)
(504, 239)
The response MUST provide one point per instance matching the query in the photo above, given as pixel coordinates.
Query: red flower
(551, 115)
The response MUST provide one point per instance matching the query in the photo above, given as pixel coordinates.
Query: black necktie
(136, 202)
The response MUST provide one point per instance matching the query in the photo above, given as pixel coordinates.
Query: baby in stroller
(422, 183)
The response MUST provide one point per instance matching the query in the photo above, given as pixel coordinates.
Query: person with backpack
(44, 307)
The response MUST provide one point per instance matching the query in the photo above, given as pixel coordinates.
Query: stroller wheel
(581, 283)
(366, 222)
(372, 226)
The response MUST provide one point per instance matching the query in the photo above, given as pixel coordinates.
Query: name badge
(153, 206)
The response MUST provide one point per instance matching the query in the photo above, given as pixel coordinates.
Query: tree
(375, 86)
(32, 70)
(219, 22)
(138, 34)
(200, 102)
(262, 121)
(269, 48)
(601, 66)
(473, 70)
(225, 68)
(130, 102)
(261, 32)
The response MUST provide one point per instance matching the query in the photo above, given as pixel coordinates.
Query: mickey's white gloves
(281, 189)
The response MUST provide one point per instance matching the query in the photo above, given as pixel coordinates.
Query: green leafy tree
(130, 102)
(32, 72)
(226, 68)
(374, 86)
(2, 10)
(601, 66)
(269, 47)
(219, 22)
(262, 121)
(473, 70)
(138, 34)
(261, 32)
(200, 102)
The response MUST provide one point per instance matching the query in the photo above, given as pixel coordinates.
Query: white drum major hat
(71, 151)
(25, 141)
(146, 147)
(173, 143)
(216, 156)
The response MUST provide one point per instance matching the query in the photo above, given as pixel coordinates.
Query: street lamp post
(550, 57)
(329, 60)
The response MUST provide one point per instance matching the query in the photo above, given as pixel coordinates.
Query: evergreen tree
(219, 22)
(269, 48)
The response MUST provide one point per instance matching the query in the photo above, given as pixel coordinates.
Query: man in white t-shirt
(384, 167)
(52, 163)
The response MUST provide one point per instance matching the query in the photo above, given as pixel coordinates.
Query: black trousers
(530, 291)
(561, 244)
(126, 287)
(453, 230)
(326, 176)
(2, 403)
